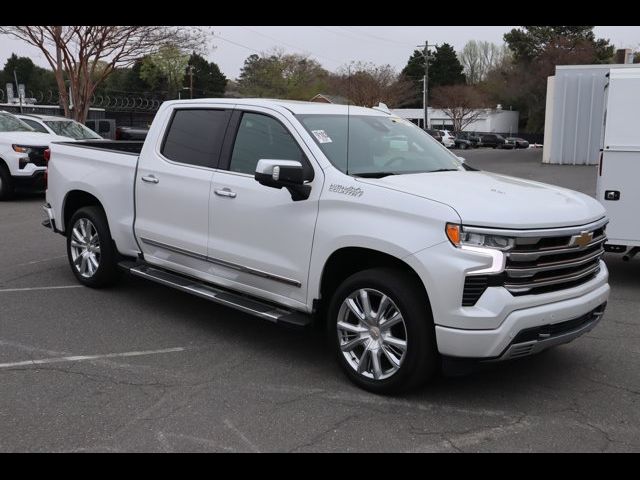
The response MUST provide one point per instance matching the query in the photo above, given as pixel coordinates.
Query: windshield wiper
(373, 174)
(443, 170)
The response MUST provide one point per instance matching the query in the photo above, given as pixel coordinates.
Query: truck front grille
(545, 264)
(542, 264)
(36, 156)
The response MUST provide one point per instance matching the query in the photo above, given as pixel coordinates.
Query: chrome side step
(219, 295)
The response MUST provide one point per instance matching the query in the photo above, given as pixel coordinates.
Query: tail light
(47, 158)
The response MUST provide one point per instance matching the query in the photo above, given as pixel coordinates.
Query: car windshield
(9, 123)
(378, 145)
(69, 128)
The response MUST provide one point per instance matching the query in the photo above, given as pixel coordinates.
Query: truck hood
(32, 139)
(492, 200)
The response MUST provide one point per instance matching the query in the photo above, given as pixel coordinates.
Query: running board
(207, 291)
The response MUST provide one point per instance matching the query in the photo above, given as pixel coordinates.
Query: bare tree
(367, 85)
(480, 57)
(463, 104)
(87, 55)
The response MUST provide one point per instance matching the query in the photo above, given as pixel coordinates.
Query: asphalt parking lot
(141, 367)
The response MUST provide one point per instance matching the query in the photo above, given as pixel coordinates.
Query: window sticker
(322, 136)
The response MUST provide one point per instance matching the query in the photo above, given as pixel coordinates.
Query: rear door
(173, 186)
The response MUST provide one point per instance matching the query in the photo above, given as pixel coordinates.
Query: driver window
(260, 136)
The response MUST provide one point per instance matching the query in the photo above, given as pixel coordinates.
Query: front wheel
(6, 183)
(90, 249)
(382, 331)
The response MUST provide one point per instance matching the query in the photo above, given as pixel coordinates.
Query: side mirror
(283, 173)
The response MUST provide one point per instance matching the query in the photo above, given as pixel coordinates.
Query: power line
(235, 43)
(376, 37)
(280, 43)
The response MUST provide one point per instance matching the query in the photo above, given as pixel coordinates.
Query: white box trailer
(618, 186)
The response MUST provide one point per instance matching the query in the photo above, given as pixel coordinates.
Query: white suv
(448, 140)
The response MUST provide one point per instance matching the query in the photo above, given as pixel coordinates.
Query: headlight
(492, 246)
(457, 236)
(21, 149)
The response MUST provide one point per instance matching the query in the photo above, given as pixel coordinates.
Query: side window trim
(214, 161)
(232, 133)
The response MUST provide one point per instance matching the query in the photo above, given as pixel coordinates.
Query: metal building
(575, 113)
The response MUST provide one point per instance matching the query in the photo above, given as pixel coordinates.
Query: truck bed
(105, 169)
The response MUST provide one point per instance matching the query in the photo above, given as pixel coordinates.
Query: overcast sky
(334, 46)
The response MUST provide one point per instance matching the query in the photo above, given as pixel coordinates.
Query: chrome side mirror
(283, 173)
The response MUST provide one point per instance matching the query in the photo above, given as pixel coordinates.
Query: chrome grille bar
(525, 287)
(519, 272)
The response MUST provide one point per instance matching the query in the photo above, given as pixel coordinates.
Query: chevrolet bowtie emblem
(582, 240)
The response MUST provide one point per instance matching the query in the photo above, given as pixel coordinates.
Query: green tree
(414, 72)
(37, 81)
(208, 80)
(280, 75)
(168, 65)
(445, 68)
(528, 42)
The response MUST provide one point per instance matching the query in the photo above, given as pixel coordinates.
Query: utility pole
(190, 70)
(425, 82)
(15, 76)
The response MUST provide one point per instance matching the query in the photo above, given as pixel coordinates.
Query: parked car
(518, 142)
(64, 127)
(471, 137)
(491, 140)
(448, 139)
(22, 160)
(105, 127)
(435, 134)
(463, 143)
(131, 133)
(402, 253)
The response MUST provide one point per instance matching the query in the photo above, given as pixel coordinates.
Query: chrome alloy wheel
(85, 247)
(372, 334)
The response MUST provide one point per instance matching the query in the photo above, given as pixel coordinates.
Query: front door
(260, 239)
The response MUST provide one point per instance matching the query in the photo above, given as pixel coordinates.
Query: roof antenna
(348, 112)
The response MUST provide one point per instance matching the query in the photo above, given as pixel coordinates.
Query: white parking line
(80, 358)
(31, 289)
(34, 262)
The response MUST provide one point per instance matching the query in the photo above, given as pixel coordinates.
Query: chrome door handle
(225, 192)
(150, 179)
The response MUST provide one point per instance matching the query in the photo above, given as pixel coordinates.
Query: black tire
(6, 183)
(107, 272)
(420, 358)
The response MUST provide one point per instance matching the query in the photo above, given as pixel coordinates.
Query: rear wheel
(6, 183)
(90, 249)
(382, 331)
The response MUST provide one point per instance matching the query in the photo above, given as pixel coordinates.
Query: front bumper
(32, 180)
(527, 331)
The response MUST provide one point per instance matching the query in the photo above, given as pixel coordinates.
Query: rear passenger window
(195, 136)
(263, 137)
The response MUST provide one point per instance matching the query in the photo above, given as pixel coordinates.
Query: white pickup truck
(352, 217)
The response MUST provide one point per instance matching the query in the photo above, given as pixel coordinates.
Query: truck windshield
(68, 128)
(9, 123)
(378, 145)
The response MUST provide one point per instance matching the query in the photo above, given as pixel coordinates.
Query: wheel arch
(346, 261)
(75, 200)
